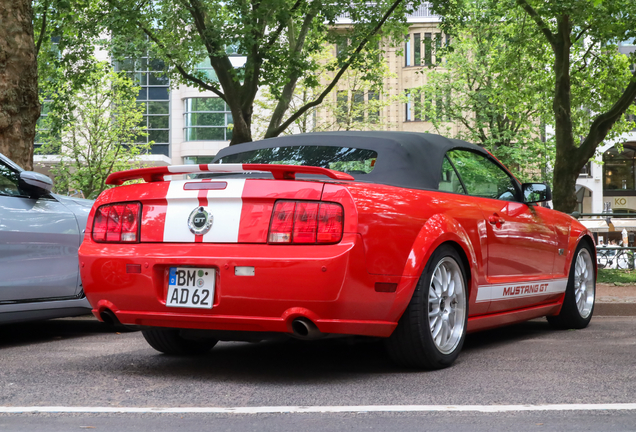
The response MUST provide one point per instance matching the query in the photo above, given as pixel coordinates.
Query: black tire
(412, 344)
(168, 341)
(573, 316)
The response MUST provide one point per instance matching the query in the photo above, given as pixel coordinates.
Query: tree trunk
(565, 172)
(242, 130)
(19, 103)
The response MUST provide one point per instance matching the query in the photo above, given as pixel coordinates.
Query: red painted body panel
(389, 235)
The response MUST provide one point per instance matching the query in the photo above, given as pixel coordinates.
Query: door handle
(495, 219)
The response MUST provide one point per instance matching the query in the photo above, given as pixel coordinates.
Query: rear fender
(437, 230)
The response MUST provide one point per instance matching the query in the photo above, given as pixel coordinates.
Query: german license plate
(190, 287)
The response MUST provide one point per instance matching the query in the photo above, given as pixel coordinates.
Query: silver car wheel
(584, 283)
(447, 305)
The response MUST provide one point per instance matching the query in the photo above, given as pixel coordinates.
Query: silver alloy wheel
(447, 305)
(584, 283)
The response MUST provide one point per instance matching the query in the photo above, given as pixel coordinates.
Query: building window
(207, 119)
(428, 50)
(619, 169)
(413, 105)
(342, 106)
(353, 107)
(206, 69)
(373, 98)
(587, 170)
(417, 50)
(438, 46)
(154, 94)
(358, 105)
(407, 51)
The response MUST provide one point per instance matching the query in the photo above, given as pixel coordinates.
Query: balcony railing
(425, 10)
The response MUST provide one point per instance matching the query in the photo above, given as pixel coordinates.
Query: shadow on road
(274, 361)
(55, 329)
(307, 361)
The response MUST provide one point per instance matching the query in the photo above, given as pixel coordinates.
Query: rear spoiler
(280, 172)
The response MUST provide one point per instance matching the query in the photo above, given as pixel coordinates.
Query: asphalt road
(82, 363)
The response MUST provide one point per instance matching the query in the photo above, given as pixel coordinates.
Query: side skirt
(485, 322)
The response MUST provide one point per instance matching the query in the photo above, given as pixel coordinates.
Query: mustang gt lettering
(413, 238)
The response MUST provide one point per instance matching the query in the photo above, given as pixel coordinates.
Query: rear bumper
(327, 284)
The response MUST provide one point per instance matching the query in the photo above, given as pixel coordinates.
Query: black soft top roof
(405, 159)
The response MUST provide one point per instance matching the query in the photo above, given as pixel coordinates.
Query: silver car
(40, 233)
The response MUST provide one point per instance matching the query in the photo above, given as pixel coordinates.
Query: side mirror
(36, 183)
(536, 192)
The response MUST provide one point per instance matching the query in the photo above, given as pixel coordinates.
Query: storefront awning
(600, 225)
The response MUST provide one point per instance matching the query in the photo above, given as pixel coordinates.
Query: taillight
(117, 223)
(306, 222)
(330, 222)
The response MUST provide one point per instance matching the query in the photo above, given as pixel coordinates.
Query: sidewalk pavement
(615, 300)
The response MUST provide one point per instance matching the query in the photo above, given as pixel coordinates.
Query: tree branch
(539, 21)
(180, 68)
(276, 33)
(161, 45)
(585, 29)
(288, 89)
(583, 59)
(42, 29)
(604, 122)
(341, 72)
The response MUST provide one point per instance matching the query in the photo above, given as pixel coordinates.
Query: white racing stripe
(325, 409)
(224, 205)
(511, 291)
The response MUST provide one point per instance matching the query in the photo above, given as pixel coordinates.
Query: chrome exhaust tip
(304, 328)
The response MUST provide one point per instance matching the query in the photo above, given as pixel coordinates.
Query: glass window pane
(618, 169)
(407, 51)
(206, 104)
(157, 93)
(347, 159)
(195, 160)
(417, 49)
(124, 65)
(162, 149)
(228, 134)
(482, 177)
(158, 79)
(158, 136)
(342, 109)
(140, 78)
(428, 49)
(143, 94)
(8, 181)
(158, 107)
(204, 134)
(449, 182)
(358, 105)
(205, 119)
(141, 64)
(156, 65)
(158, 122)
(141, 139)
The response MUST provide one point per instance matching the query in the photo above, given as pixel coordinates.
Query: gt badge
(200, 221)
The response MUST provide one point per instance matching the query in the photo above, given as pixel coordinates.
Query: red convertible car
(410, 237)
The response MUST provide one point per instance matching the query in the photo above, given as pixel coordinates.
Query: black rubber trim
(42, 300)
